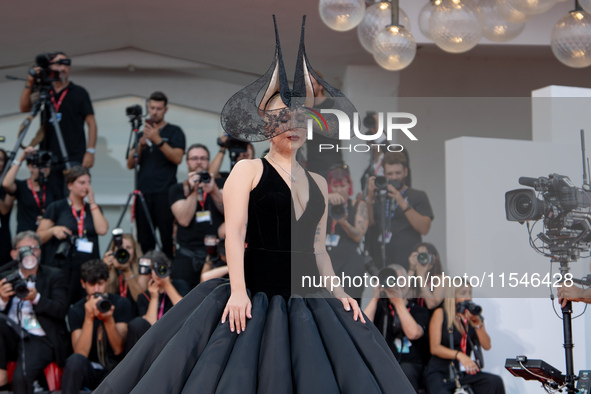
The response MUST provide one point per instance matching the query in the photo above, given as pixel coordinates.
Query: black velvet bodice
(279, 247)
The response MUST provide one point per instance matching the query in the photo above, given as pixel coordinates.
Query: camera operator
(425, 262)
(197, 206)
(6, 201)
(161, 148)
(467, 330)
(238, 150)
(98, 326)
(32, 194)
(403, 323)
(574, 293)
(37, 303)
(71, 227)
(124, 277)
(73, 109)
(163, 294)
(347, 225)
(404, 212)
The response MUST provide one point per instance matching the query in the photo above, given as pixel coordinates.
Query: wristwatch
(90, 150)
(162, 142)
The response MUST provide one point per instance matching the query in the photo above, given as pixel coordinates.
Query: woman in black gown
(218, 339)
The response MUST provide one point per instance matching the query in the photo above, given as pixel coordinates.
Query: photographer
(6, 201)
(32, 194)
(98, 326)
(403, 323)
(163, 294)
(197, 206)
(35, 299)
(466, 330)
(161, 148)
(425, 262)
(238, 150)
(71, 227)
(73, 109)
(124, 277)
(216, 266)
(403, 213)
(347, 224)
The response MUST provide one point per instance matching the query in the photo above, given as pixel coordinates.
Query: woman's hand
(153, 288)
(468, 363)
(336, 199)
(109, 259)
(349, 303)
(237, 309)
(60, 232)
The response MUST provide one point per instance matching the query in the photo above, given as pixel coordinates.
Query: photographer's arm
(419, 222)
(573, 293)
(6, 204)
(47, 229)
(25, 104)
(437, 349)
(216, 163)
(210, 273)
(88, 159)
(371, 308)
(116, 334)
(174, 155)
(82, 337)
(410, 327)
(184, 210)
(9, 182)
(370, 199)
(357, 232)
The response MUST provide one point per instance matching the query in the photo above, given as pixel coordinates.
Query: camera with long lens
(121, 255)
(564, 208)
(64, 249)
(27, 257)
(40, 159)
(336, 212)
(425, 258)
(388, 277)
(19, 285)
(145, 266)
(473, 308)
(161, 268)
(204, 177)
(382, 183)
(134, 111)
(103, 304)
(45, 76)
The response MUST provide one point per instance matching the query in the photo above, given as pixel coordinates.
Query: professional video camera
(121, 255)
(134, 111)
(565, 209)
(103, 304)
(19, 285)
(45, 76)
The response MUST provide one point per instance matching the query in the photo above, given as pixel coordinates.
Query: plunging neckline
(309, 178)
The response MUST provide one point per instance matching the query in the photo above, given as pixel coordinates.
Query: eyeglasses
(63, 62)
(33, 248)
(197, 158)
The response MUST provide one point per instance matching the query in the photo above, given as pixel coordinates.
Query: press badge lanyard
(79, 219)
(59, 103)
(35, 195)
(390, 214)
(122, 287)
(202, 202)
(161, 311)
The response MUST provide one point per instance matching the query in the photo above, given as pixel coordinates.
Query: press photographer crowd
(69, 315)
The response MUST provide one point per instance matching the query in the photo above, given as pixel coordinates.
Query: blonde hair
(113, 283)
(450, 307)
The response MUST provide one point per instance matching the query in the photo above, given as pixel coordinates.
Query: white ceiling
(224, 36)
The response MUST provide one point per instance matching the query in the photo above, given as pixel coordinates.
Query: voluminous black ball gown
(306, 345)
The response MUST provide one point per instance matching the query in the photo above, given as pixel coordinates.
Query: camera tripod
(43, 102)
(136, 123)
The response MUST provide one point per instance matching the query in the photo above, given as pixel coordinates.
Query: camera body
(204, 177)
(64, 249)
(40, 159)
(382, 183)
(45, 76)
(121, 255)
(103, 304)
(473, 308)
(134, 111)
(145, 266)
(19, 285)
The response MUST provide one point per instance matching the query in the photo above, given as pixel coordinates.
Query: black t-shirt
(71, 113)
(121, 314)
(28, 210)
(404, 236)
(405, 350)
(143, 300)
(191, 237)
(5, 238)
(157, 174)
(60, 213)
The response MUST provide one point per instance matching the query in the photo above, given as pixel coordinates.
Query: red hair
(338, 175)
